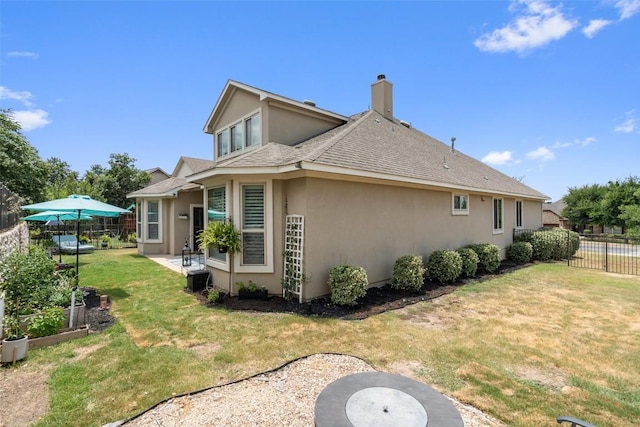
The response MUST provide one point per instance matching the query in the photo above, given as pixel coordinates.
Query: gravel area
(284, 397)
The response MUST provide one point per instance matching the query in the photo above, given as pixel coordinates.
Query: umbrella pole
(78, 248)
(59, 251)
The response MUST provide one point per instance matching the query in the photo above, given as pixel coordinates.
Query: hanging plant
(223, 235)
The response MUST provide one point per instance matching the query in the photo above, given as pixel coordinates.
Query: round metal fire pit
(378, 399)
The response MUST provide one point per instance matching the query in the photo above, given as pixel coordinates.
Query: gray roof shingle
(371, 143)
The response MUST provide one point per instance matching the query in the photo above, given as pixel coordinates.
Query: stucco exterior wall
(288, 127)
(372, 225)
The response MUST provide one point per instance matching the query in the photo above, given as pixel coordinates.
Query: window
(253, 130)
(139, 229)
(253, 224)
(216, 211)
(153, 220)
(518, 213)
(460, 204)
(239, 136)
(223, 143)
(497, 216)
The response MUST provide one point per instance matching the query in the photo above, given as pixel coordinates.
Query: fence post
(606, 255)
(2, 296)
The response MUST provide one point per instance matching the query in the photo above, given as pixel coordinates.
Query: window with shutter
(216, 205)
(253, 224)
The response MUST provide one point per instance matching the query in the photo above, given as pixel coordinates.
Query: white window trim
(213, 262)
(455, 211)
(521, 202)
(497, 230)
(268, 225)
(244, 148)
(145, 221)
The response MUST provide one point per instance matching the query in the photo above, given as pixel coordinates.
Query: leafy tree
(619, 195)
(21, 168)
(61, 180)
(583, 204)
(630, 214)
(120, 179)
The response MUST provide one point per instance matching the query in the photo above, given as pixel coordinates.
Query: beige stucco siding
(289, 127)
(372, 225)
(241, 105)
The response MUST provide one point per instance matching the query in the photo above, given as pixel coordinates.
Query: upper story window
(239, 136)
(519, 214)
(498, 216)
(460, 204)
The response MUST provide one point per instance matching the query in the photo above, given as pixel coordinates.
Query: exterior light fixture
(186, 255)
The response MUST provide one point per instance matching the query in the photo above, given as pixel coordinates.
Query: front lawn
(525, 346)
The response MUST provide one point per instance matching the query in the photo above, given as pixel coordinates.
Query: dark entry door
(198, 226)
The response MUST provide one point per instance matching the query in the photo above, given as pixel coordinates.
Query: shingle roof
(197, 165)
(163, 187)
(555, 207)
(371, 143)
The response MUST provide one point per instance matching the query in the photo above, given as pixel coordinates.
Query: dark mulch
(97, 318)
(376, 301)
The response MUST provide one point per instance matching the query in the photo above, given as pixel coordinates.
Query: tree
(61, 180)
(120, 179)
(618, 196)
(21, 168)
(583, 205)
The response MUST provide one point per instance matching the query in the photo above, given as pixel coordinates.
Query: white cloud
(538, 25)
(31, 119)
(23, 97)
(627, 8)
(496, 158)
(541, 153)
(594, 27)
(585, 142)
(561, 145)
(23, 54)
(628, 125)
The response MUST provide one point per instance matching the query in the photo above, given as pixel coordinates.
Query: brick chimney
(382, 97)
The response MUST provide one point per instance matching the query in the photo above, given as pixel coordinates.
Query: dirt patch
(24, 396)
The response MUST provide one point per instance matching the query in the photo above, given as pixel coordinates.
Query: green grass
(525, 347)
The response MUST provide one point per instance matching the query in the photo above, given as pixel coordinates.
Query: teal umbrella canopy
(79, 204)
(213, 215)
(57, 216)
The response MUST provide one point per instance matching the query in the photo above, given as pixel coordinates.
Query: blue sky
(545, 91)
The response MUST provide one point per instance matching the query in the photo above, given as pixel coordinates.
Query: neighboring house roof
(555, 207)
(370, 145)
(170, 186)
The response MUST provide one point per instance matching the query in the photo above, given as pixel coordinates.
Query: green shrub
(213, 296)
(520, 252)
(347, 284)
(488, 256)
(45, 322)
(551, 244)
(444, 266)
(469, 261)
(408, 273)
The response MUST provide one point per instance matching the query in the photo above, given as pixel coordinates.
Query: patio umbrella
(56, 218)
(79, 205)
(213, 215)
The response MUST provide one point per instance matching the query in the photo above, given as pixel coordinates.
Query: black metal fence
(9, 208)
(615, 254)
(611, 253)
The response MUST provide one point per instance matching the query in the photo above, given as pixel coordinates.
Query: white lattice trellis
(294, 255)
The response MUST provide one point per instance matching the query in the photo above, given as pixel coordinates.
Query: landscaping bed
(377, 299)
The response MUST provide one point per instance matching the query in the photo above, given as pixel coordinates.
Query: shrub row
(349, 283)
(551, 244)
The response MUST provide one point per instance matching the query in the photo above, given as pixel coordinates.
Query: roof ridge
(335, 139)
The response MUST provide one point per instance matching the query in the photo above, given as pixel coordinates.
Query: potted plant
(223, 235)
(251, 291)
(105, 241)
(21, 276)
